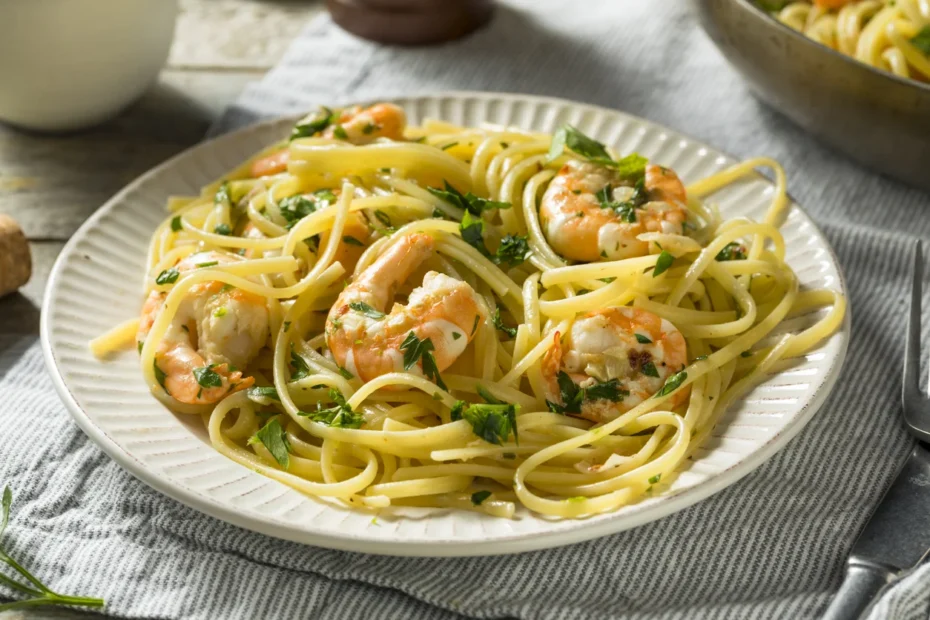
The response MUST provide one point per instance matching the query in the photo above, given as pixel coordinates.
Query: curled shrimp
(637, 348)
(216, 329)
(356, 125)
(367, 342)
(579, 228)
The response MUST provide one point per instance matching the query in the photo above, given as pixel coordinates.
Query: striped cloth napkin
(771, 546)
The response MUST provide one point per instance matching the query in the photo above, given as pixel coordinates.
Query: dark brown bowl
(874, 117)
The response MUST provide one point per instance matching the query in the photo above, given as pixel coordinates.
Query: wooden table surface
(51, 184)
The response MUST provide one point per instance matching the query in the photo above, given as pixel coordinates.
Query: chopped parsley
(467, 202)
(641, 339)
(340, 132)
(287, 326)
(339, 415)
(176, 223)
(672, 383)
(159, 373)
(649, 369)
(261, 394)
(383, 217)
(300, 367)
(345, 373)
(478, 497)
(573, 396)
(456, 335)
(295, 208)
(493, 423)
(222, 194)
(449, 146)
(369, 128)
(664, 261)
(457, 409)
(499, 324)
(921, 40)
(212, 263)
(421, 350)
(362, 308)
(220, 312)
(632, 166)
(313, 124)
(350, 240)
(168, 276)
(222, 229)
(274, 439)
(731, 251)
(513, 249)
(655, 479)
(207, 377)
(474, 327)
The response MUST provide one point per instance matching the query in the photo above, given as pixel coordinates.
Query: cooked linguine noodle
(389, 321)
(893, 35)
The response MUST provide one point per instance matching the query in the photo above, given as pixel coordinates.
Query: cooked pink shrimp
(363, 125)
(579, 228)
(216, 329)
(357, 125)
(637, 348)
(444, 310)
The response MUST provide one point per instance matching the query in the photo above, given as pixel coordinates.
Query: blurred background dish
(873, 116)
(410, 22)
(68, 64)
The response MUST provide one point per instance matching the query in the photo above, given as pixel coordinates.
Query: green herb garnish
(168, 276)
(573, 396)
(664, 261)
(313, 124)
(339, 415)
(263, 393)
(731, 251)
(272, 436)
(421, 350)
(641, 339)
(207, 377)
(176, 223)
(493, 423)
(222, 229)
(672, 383)
(499, 324)
(300, 366)
(478, 497)
(467, 202)
(362, 308)
(921, 40)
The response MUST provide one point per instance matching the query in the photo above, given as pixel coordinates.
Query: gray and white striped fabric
(772, 546)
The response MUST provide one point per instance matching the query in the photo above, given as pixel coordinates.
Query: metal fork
(897, 535)
(916, 403)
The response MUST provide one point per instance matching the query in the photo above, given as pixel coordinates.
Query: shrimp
(636, 347)
(216, 329)
(356, 125)
(579, 228)
(444, 310)
(355, 238)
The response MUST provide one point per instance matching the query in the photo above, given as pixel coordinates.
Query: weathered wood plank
(237, 34)
(51, 184)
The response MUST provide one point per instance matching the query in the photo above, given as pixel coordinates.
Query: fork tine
(912, 346)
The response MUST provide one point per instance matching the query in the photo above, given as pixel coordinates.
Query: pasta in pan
(893, 35)
(473, 318)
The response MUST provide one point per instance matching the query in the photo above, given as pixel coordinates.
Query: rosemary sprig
(40, 594)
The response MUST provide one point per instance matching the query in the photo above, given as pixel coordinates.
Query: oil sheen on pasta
(471, 318)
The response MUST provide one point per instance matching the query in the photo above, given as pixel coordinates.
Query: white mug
(68, 64)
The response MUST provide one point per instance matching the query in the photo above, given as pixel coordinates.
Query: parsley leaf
(295, 208)
(664, 261)
(467, 202)
(731, 251)
(384, 219)
(313, 124)
(168, 276)
(159, 373)
(672, 383)
(478, 497)
(415, 349)
(499, 324)
(350, 240)
(176, 223)
(649, 369)
(643, 339)
(573, 396)
(362, 308)
(631, 167)
(301, 368)
(921, 40)
(260, 394)
(655, 479)
(222, 229)
(340, 132)
(272, 436)
(339, 415)
(207, 377)
(222, 194)
(513, 250)
(457, 409)
(493, 423)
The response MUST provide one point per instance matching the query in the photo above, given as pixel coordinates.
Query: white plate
(96, 283)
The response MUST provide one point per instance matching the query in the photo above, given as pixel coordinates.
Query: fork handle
(863, 581)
